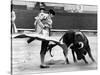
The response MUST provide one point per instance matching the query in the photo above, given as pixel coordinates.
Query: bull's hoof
(44, 66)
(75, 61)
(86, 62)
(67, 62)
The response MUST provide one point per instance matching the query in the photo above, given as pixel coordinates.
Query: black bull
(78, 43)
(70, 39)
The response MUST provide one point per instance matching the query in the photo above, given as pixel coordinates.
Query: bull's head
(79, 49)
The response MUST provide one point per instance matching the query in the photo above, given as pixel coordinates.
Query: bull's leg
(74, 59)
(84, 59)
(42, 53)
(65, 52)
(89, 53)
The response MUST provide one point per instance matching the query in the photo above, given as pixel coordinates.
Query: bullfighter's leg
(65, 52)
(74, 59)
(89, 53)
(42, 53)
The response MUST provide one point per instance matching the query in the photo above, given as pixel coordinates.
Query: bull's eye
(77, 45)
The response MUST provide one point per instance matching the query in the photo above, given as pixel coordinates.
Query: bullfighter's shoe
(44, 66)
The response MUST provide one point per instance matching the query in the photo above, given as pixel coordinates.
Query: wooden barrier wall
(25, 20)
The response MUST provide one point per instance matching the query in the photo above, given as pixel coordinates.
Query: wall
(25, 19)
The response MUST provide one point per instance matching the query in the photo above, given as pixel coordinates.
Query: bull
(78, 43)
(75, 40)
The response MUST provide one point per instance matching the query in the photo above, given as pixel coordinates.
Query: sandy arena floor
(26, 58)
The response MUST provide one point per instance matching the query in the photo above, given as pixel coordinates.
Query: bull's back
(68, 37)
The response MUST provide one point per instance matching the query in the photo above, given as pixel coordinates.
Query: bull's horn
(82, 45)
(71, 45)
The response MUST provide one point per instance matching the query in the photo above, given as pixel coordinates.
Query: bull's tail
(61, 39)
(50, 48)
(53, 45)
